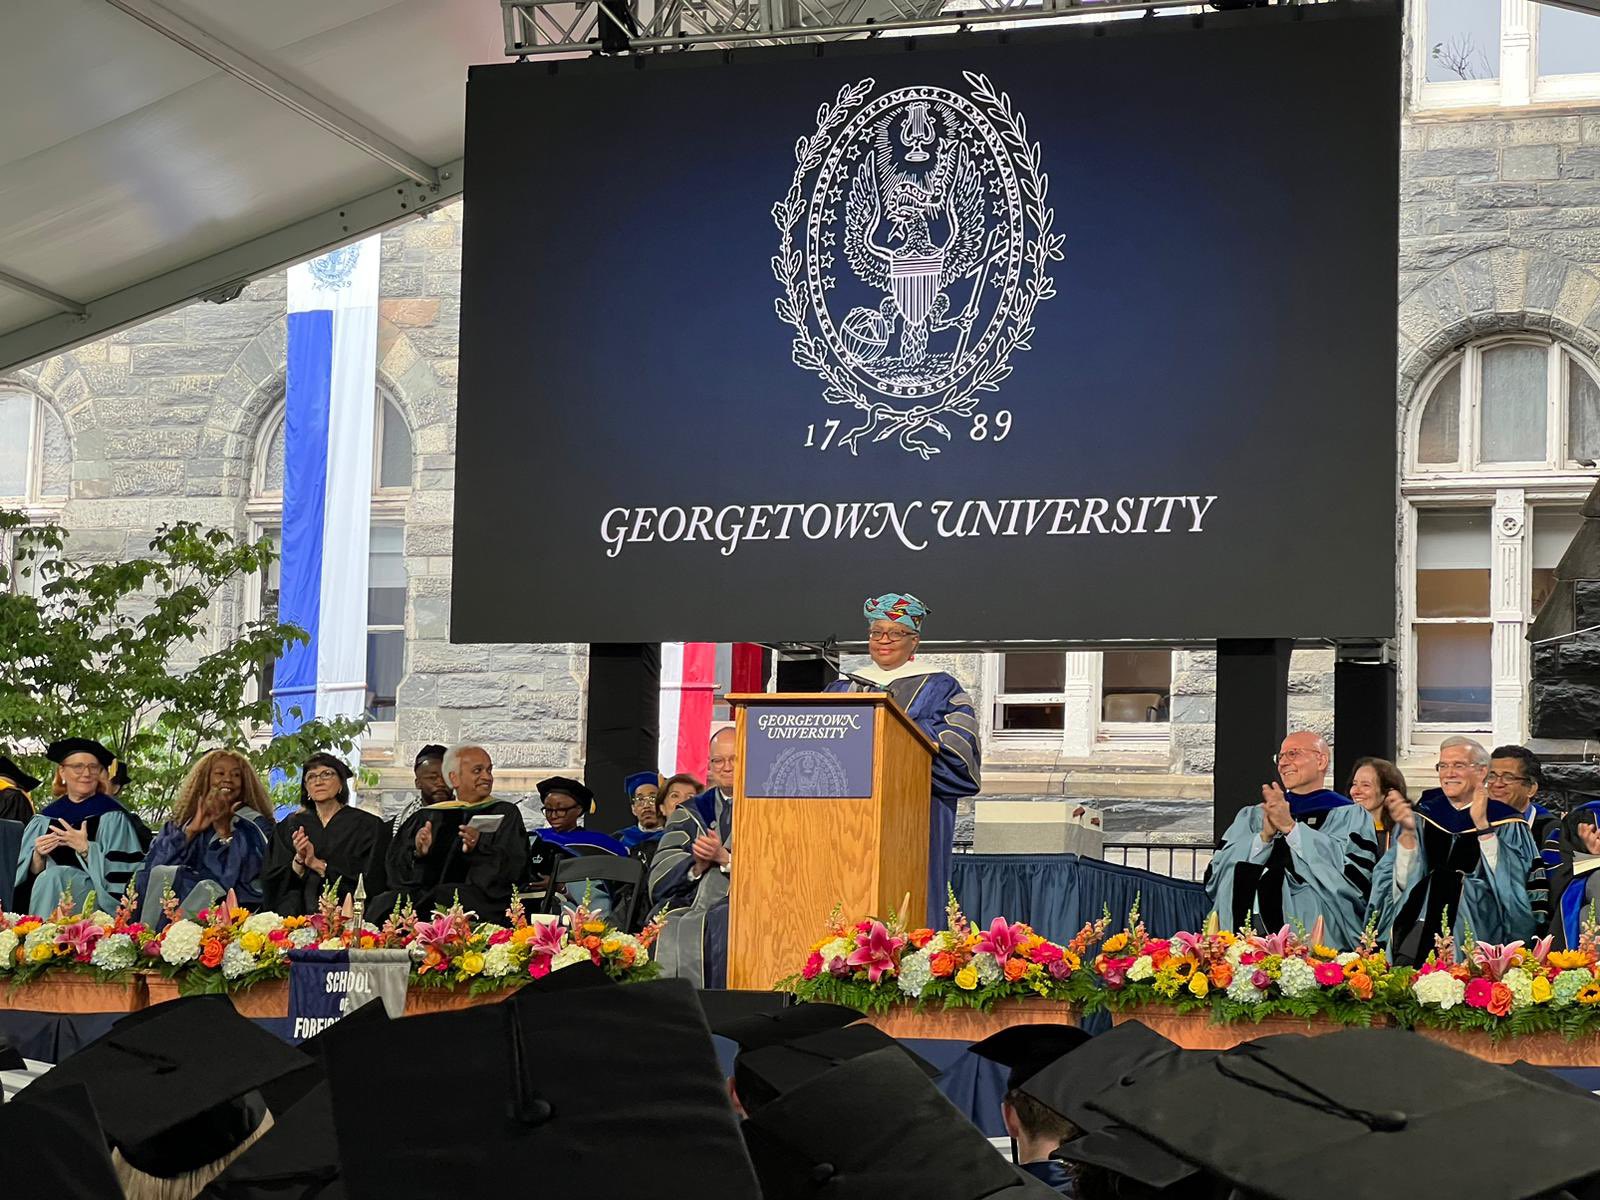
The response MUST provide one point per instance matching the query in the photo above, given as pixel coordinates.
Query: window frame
(1518, 83)
(1087, 684)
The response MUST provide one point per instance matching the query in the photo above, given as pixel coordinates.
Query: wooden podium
(831, 806)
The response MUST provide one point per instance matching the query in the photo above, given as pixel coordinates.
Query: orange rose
(943, 965)
(211, 955)
(1221, 974)
(1015, 969)
(919, 938)
(1360, 986)
(1461, 971)
(591, 943)
(1159, 958)
(1500, 1000)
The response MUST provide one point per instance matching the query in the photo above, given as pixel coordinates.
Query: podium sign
(793, 751)
(831, 806)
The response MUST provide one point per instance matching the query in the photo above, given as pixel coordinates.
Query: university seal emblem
(334, 269)
(914, 246)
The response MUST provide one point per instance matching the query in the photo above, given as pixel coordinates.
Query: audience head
(724, 761)
(324, 778)
(643, 790)
(469, 772)
(1372, 780)
(1515, 776)
(1463, 764)
(226, 774)
(566, 802)
(675, 791)
(894, 628)
(1303, 761)
(428, 773)
(114, 779)
(16, 777)
(1026, 1050)
(80, 767)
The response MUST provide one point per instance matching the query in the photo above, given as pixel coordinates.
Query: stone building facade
(1499, 322)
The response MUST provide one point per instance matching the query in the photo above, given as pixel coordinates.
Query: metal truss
(565, 27)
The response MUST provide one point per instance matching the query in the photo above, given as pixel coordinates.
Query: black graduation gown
(15, 805)
(483, 879)
(352, 843)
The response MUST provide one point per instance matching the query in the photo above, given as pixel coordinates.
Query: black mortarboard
(761, 1076)
(300, 1148)
(176, 1085)
(724, 1005)
(55, 1146)
(10, 770)
(1070, 1084)
(753, 1030)
(877, 1126)
(1028, 1049)
(119, 774)
(281, 1093)
(10, 1057)
(1387, 1099)
(427, 752)
(569, 979)
(60, 751)
(642, 1073)
(568, 787)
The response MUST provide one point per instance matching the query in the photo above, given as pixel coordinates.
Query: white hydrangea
(102, 918)
(940, 942)
(1243, 991)
(1296, 977)
(261, 922)
(44, 935)
(567, 956)
(838, 948)
(330, 944)
(302, 937)
(498, 962)
(1439, 988)
(1521, 986)
(181, 943)
(8, 949)
(237, 961)
(1142, 969)
(989, 970)
(1235, 953)
(114, 952)
(1345, 959)
(916, 973)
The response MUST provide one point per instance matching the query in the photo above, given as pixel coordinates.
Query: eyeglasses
(730, 761)
(321, 776)
(647, 801)
(893, 636)
(82, 768)
(560, 811)
(1292, 756)
(1504, 777)
(1444, 768)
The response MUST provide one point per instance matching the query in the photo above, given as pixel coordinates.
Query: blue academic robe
(938, 703)
(582, 841)
(1450, 873)
(1574, 898)
(694, 943)
(1321, 869)
(234, 866)
(635, 836)
(116, 847)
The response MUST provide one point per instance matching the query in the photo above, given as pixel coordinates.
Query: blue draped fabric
(1057, 893)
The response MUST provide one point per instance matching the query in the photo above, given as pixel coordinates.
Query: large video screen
(1080, 334)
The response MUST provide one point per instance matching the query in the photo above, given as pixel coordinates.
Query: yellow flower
(523, 936)
(1326, 953)
(967, 978)
(253, 942)
(594, 927)
(1225, 936)
(1541, 989)
(1199, 985)
(610, 946)
(470, 963)
(1589, 993)
(42, 952)
(1566, 960)
(1113, 944)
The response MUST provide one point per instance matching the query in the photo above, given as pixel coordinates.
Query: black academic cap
(119, 773)
(569, 787)
(297, 1159)
(569, 979)
(1070, 1085)
(10, 1056)
(877, 1126)
(176, 1085)
(761, 1076)
(724, 1005)
(10, 770)
(1257, 1115)
(427, 752)
(288, 1090)
(1549, 1079)
(55, 1146)
(753, 1030)
(1029, 1049)
(60, 751)
(639, 1072)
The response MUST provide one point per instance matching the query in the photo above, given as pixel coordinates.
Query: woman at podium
(937, 702)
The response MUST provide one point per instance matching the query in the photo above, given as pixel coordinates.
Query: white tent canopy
(155, 153)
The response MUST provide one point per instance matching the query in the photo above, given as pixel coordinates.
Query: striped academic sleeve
(670, 884)
(957, 771)
(1361, 859)
(1539, 895)
(120, 850)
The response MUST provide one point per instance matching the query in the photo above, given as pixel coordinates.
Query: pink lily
(1002, 940)
(1541, 949)
(1191, 943)
(1279, 943)
(1493, 960)
(436, 932)
(877, 951)
(81, 936)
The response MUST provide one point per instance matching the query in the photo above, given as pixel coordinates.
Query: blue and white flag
(327, 483)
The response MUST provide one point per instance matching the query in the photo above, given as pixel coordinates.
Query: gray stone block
(472, 691)
(1497, 195)
(1449, 162)
(1565, 707)
(1529, 162)
(183, 358)
(430, 616)
(148, 479)
(1194, 710)
(1580, 162)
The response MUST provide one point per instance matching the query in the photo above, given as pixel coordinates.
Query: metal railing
(1179, 860)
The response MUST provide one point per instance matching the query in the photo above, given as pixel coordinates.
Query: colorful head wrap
(900, 607)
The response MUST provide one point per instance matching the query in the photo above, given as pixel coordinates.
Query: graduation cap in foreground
(753, 1030)
(283, 1093)
(10, 770)
(10, 1057)
(1260, 1114)
(627, 1067)
(58, 1147)
(1071, 1084)
(876, 1126)
(300, 1148)
(1028, 1049)
(723, 1006)
(761, 1076)
(176, 1086)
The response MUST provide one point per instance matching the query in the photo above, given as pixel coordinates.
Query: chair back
(627, 874)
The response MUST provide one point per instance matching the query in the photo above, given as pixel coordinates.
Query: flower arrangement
(83, 939)
(875, 964)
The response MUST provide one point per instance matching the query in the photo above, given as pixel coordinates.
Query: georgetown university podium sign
(793, 751)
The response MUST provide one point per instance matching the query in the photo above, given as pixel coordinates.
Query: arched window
(1500, 452)
(386, 567)
(35, 456)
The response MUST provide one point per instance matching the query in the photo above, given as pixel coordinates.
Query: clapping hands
(1276, 817)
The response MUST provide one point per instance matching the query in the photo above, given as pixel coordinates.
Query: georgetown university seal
(915, 245)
